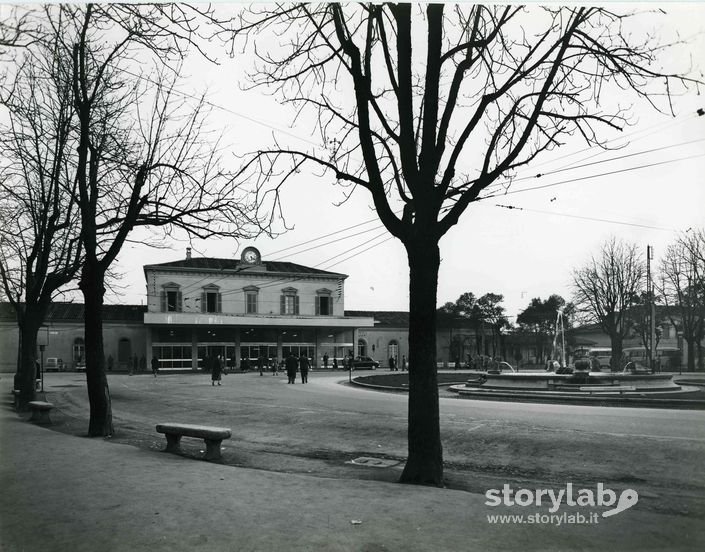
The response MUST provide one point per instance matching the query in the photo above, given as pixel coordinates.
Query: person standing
(155, 366)
(291, 363)
(392, 364)
(216, 370)
(403, 363)
(304, 365)
(335, 363)
(325, 361)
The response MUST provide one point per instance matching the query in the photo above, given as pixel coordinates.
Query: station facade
(246, 309)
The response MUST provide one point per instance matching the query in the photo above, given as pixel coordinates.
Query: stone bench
(212, 436)
(40, 411)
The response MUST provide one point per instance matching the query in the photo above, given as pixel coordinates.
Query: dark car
(365, 362)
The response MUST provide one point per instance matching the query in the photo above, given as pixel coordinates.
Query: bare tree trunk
(425, 461)
(101, 417)
(691, 354)
(616, 359)
(28, 329)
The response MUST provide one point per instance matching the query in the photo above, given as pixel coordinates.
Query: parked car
(54, 364)
(80, 366)
(365, 362)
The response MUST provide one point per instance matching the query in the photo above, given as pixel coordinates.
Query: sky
(655, 191)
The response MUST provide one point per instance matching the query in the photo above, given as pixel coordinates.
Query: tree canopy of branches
(683, 289)
(539, 318)
(607, 288)
(143, 157)
(39, 245)
(483, 313)
(445, 102)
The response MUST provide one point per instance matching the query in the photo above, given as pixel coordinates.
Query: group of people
(292, 364)
(394, 367)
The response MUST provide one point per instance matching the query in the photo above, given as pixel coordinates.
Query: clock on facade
(250, 255)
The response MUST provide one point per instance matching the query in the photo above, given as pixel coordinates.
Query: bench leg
(172, 442)
(213, 449)
(40, 417)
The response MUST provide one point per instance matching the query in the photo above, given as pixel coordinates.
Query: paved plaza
(291, 478)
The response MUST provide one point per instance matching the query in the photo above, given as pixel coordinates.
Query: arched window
(393, 349)
(79, 350)
(362, 348)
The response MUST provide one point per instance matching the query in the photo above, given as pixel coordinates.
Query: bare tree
(39, 245)
(446, 101)
(607, 288)
(683, 289)
(144, 156)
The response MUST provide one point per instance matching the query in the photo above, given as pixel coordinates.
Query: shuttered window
(211, 300)
(171, 300)
(289, 302)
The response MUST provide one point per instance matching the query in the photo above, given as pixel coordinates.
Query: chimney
(188, 252)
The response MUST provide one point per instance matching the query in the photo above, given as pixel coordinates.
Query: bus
(667, 359)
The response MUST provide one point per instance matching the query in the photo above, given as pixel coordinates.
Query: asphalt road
(321, 427)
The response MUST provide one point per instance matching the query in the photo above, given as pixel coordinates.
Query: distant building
(123, 335)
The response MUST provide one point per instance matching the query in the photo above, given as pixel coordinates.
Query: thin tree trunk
(101, 418)
(425, 461)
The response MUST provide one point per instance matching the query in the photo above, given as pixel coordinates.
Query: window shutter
(219, 303)
(296, 304)
(282, 304)
(204, 302)
(179, 301)
(163, 300)
(318, 304)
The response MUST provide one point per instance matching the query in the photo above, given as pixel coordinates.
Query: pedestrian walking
(217, 367)
(135, 364)
(155, 366)
(404, 365)
(304, 365)
(291, 364)
(325, 361)
(335, 363)
(392, 364)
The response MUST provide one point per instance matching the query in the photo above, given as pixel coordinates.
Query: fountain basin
(587, 387)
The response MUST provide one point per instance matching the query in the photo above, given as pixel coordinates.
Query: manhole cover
(373, 462)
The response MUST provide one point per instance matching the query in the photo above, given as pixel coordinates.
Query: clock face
(250, 255)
